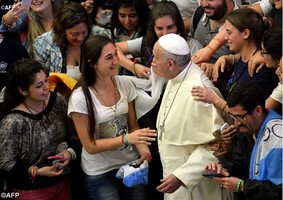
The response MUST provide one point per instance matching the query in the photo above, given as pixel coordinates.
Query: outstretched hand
(141, 71)
(219, 66)
(207, 68)
(202, 55)
(88, 5)
(12, 16)
(255, 64)
(142, 136)
(203, 94)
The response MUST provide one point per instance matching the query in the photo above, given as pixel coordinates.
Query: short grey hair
(180, 60)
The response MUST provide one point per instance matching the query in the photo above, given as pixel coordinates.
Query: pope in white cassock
(185, 125)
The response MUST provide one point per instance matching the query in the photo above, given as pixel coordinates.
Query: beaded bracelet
(4, 23)
(123, 139)
(238, 187)
(33, 171)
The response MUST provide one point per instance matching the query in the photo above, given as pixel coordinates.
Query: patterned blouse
(28, 140)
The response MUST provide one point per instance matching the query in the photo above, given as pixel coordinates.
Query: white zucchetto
(174, 43)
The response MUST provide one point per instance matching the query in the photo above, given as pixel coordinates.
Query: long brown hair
(91, 52)
(35, 28)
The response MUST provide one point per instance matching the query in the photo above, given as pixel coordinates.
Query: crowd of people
(90, 88)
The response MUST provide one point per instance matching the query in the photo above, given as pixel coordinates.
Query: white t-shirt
(108, 126)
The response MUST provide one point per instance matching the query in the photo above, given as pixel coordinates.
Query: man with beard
(211, 22)
(263, 128)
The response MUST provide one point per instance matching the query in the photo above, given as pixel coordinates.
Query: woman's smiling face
(40, 5)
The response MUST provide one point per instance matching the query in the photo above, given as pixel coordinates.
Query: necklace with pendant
(166, 112)
(115, 98)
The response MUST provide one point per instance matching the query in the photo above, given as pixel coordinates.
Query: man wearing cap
(185, 126)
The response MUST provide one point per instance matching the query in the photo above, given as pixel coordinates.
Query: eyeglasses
(262, 52)
(239, 117)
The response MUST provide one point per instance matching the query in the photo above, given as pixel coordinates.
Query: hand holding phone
(225, 126)
(26, 3)
(212, 173)
(56, 161)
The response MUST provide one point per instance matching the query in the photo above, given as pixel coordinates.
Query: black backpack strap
(197, 15)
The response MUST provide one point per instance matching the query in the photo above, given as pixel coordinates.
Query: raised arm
(14, 18)
(137, 69)
(205, 53)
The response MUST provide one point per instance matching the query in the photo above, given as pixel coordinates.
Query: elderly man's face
(160, 65)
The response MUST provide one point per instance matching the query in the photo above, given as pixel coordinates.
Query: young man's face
(244, 120)
(214, 9)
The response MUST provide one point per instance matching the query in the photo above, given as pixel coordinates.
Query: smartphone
(212, 173)
(55, 157)
(57, 160)
(225, 126)
(26, 3)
